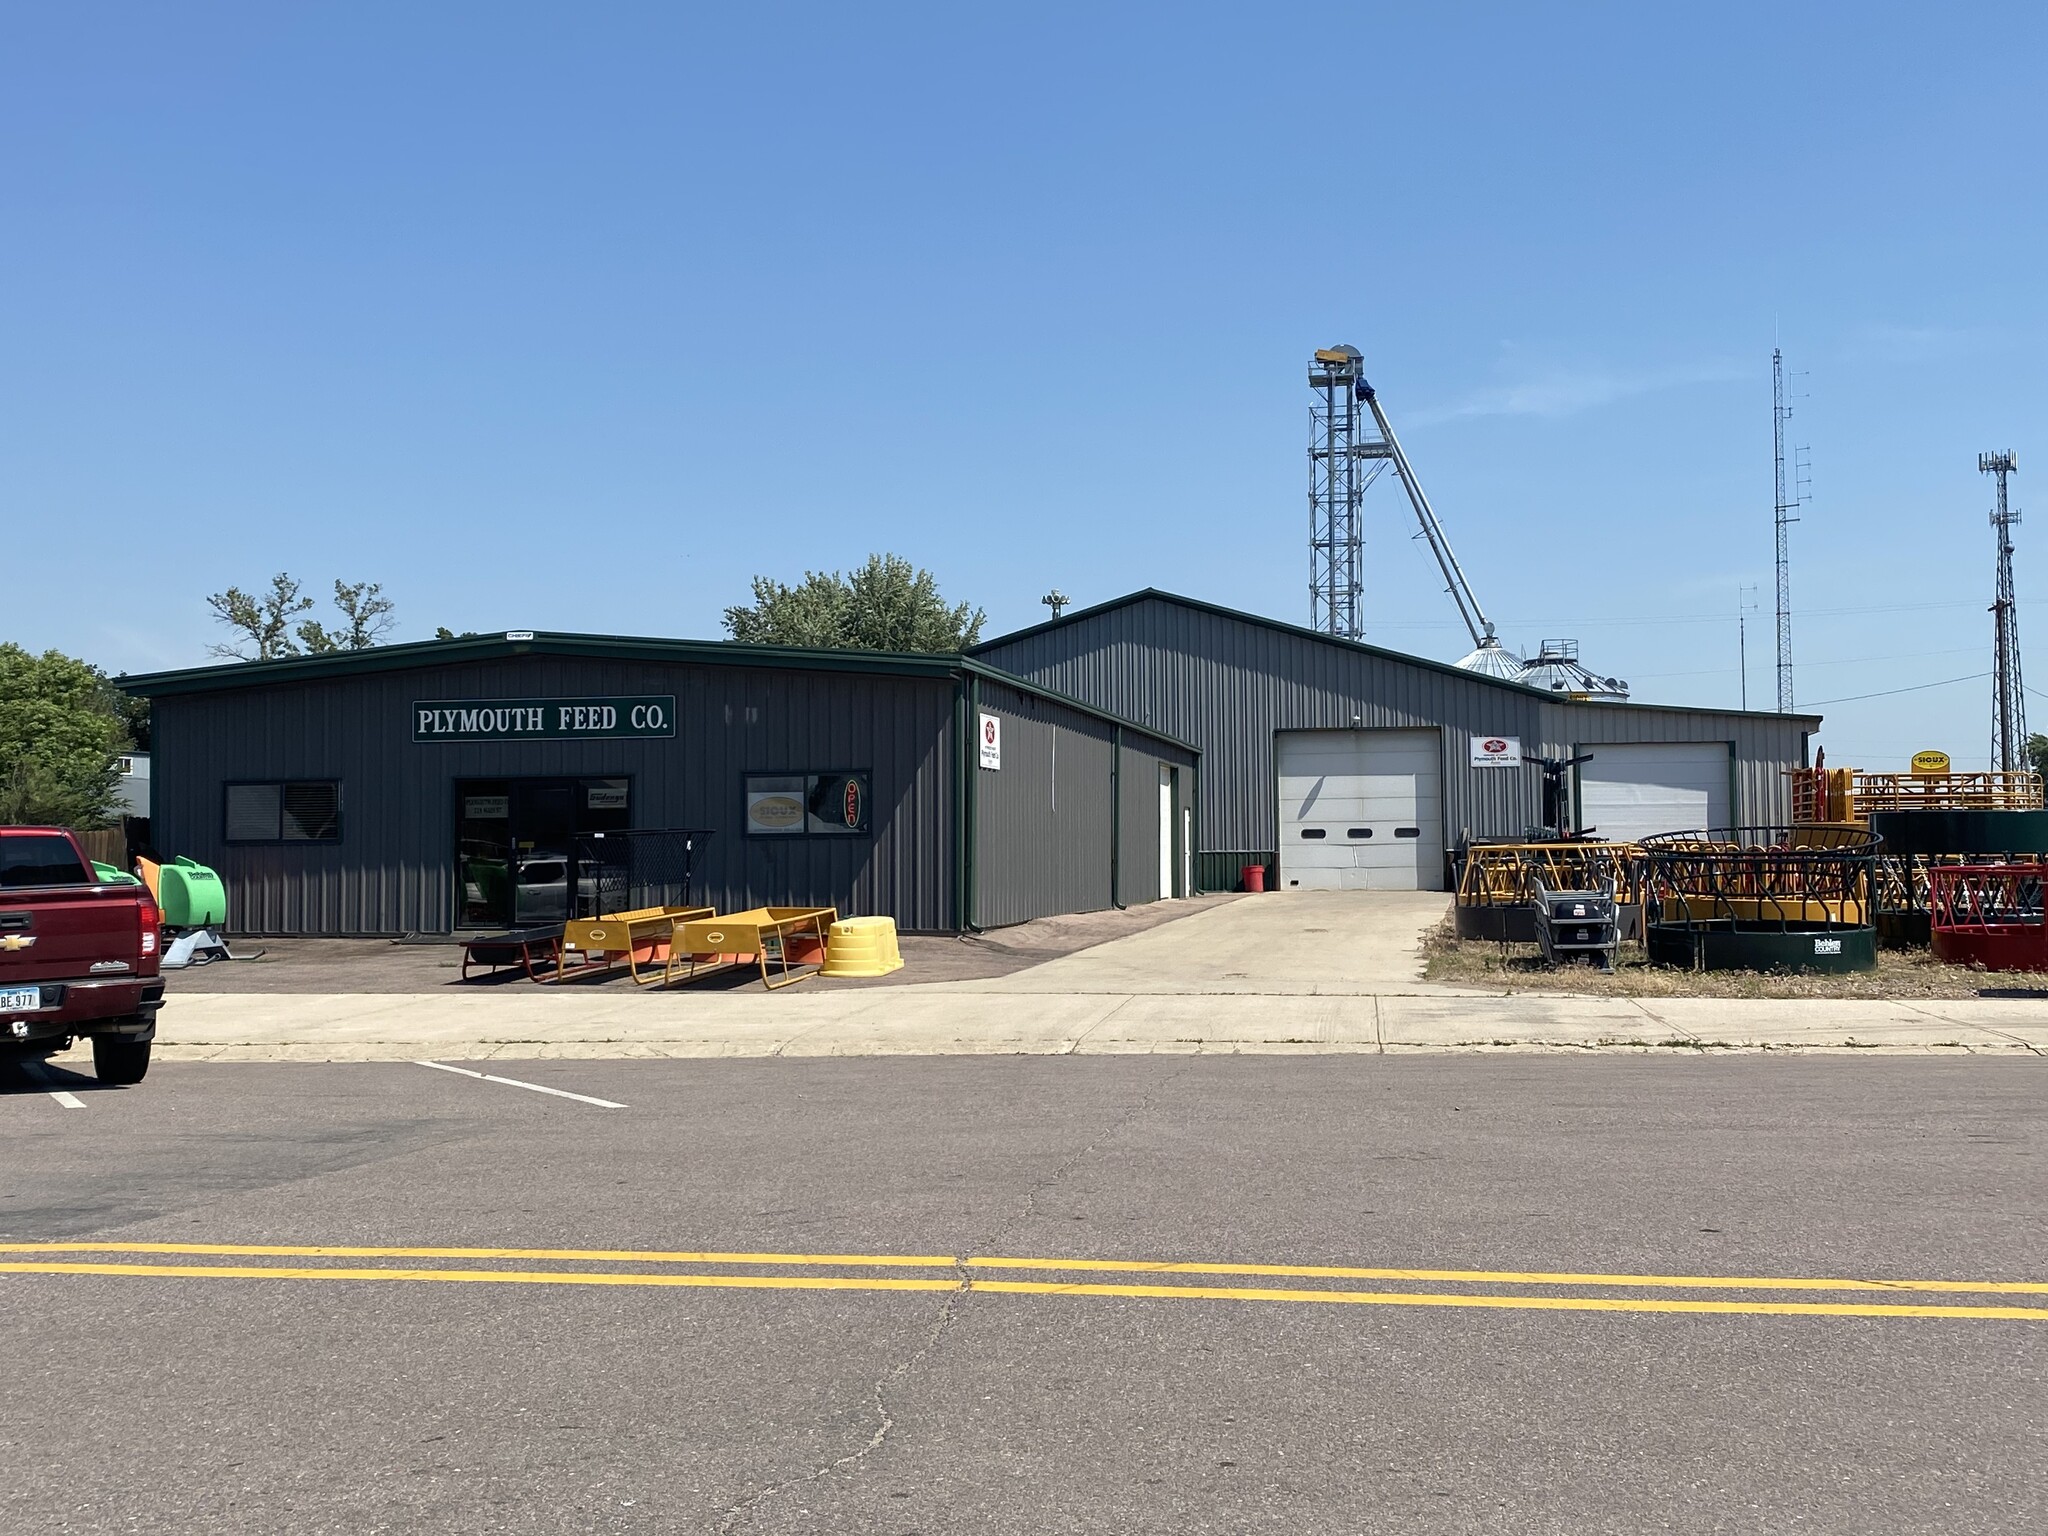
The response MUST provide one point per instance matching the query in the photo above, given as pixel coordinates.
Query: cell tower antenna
(2008, 693)
(1337, 479)
(1788, 499)
(1745, 605)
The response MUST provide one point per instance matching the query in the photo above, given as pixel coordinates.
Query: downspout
(963, 729)
(970, 804)
(1116, 818)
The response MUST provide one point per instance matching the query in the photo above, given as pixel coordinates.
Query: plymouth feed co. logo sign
(543, 719)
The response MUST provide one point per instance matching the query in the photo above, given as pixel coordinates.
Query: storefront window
(516, 857)
(808, 804)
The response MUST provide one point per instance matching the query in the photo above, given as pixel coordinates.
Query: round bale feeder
(1989, 915)
(1763, 899)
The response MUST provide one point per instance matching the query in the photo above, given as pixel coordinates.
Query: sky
(578, 318)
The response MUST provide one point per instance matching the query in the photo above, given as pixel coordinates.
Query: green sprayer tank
(191, 895)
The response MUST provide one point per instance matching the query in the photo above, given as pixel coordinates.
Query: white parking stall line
(513, 1082)
(36, 1070)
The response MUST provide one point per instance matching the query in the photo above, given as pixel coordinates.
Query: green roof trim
(436, 653)
(418, 654)
(1156, 594)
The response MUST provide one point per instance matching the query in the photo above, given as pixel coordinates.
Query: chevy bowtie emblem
(13, 941)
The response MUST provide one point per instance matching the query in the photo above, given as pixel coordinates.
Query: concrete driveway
(1342, 942)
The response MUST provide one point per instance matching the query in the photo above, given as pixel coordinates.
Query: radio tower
(2008, 694)
(1336, 486)
(1780, 414)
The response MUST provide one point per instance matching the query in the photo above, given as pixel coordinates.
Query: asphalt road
(797, 1384)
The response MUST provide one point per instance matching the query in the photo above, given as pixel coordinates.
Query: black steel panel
(392, 872)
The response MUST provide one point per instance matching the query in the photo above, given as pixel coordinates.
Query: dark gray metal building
(447, 785)
(1346, 765)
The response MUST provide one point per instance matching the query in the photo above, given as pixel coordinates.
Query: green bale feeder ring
(1763, 899)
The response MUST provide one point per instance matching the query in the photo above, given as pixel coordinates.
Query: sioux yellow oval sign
(1930, 762)
(777, 813)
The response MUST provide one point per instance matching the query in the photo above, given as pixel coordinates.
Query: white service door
(1360, 810)
(1165, 832)
(1637, 788)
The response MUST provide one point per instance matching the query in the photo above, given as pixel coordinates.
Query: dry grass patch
(1903, 974)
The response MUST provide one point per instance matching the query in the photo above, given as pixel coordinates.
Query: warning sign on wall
(991, 742)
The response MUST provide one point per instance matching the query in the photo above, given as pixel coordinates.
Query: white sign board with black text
(1496, 752)
(991, 742)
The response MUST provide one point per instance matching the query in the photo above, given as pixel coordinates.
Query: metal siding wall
(1766, 746)
(1226, 685)
(393, 870)
(1043, 832)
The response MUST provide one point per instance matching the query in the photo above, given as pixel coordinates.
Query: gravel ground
(385, 965)
(1518, 968)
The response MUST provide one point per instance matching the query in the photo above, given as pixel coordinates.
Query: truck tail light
(149, 939)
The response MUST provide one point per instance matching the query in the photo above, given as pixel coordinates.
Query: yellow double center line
(972, 1274)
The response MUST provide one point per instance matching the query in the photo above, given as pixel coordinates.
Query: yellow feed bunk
(639, 938)
(792, 938)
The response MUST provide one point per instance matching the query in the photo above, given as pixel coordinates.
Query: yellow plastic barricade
(787, 943)
(639, 938)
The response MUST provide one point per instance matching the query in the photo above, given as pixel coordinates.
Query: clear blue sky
(576, 317)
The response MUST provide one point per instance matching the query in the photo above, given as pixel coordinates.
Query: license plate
(21, 999)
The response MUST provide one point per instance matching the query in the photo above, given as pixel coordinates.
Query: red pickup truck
(78, 956)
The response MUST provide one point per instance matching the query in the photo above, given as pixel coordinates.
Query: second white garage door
(1637, 788)
(1360, 810)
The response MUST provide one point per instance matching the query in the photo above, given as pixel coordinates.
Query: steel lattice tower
(1780, 414)
(2008, 693)
(1336, 486)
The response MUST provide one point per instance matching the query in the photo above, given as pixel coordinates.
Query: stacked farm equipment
(1929, 819)
(1499, 885)
(1989, 915)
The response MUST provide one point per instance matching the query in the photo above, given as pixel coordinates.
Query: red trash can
(1254, 877)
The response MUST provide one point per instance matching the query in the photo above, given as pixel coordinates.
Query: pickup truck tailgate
(52, 934)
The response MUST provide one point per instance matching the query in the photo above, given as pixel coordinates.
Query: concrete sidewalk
(536, 1022)
(1306, 972)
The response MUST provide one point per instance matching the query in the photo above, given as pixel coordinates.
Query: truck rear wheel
(118, 1059)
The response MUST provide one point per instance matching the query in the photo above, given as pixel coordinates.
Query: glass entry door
(516, 861)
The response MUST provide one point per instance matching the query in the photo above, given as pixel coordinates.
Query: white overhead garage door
(1361, 810)
(1637, 788)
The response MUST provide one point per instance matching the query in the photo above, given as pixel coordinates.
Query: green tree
(59, 733)
(366, 616)
(264, 627)
(2037, 753)
(886, 605)
(264, 623)
(131, 709)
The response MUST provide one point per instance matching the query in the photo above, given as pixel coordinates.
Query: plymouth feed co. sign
(543, 719)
